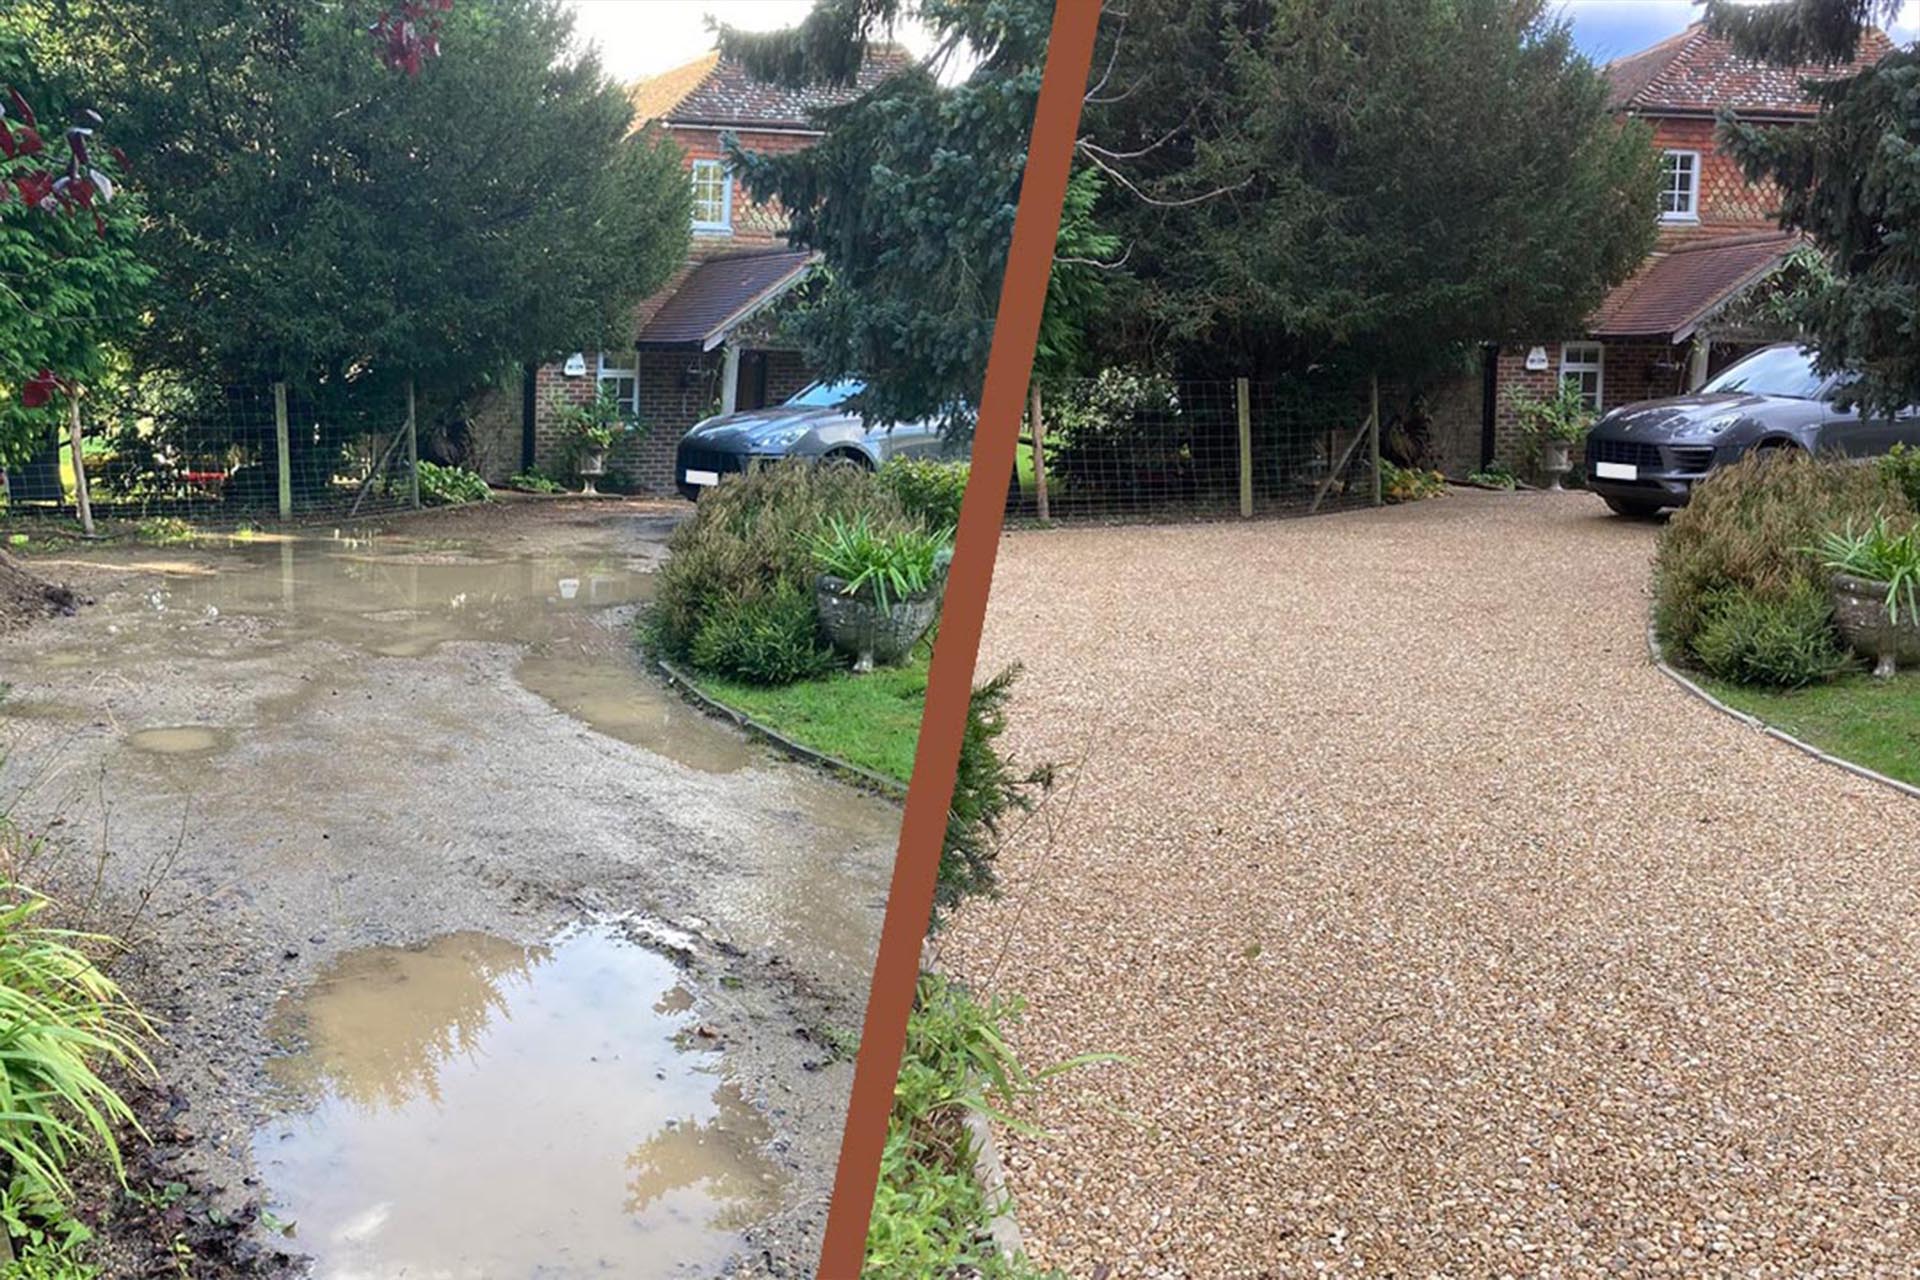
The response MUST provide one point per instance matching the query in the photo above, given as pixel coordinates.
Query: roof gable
(1696, 73)
(1673, 292)
(720, 93)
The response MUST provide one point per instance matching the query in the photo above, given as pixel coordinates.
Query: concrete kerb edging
(866, 778)
(1754, 722)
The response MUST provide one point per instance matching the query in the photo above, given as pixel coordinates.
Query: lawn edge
(1772, 731)
(1003, 1228)
(846, 771)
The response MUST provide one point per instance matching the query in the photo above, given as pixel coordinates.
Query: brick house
(708, 342)
(1656, 333)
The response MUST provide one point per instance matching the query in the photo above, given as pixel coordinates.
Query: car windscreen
(825, 395)
(1777, 371)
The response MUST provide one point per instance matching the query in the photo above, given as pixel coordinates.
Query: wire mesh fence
(228, 456)
(1128, 447)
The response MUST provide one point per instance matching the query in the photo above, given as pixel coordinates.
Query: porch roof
(1674, 292)
(720, 295)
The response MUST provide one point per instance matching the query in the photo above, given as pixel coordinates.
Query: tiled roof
(717, 91)
(721, 293)
(1698, 72)
(1673, 292)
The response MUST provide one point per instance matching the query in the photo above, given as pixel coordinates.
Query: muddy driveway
(481, 953)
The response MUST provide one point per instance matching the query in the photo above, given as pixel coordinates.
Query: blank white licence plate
(703, 477)
(1616, 471)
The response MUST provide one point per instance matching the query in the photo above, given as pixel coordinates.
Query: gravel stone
(1442, 934)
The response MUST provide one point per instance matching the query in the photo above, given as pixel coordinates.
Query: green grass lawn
(870, 720)
(1871, 722)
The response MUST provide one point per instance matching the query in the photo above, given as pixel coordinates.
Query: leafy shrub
(1409, 484)
(883, 564)
(1879, 555)
(442, 486)
(1560, 418)
(597, 423)
(1494, 475)
(929, 1213)
(770, 639)
(163, 531)
(1787, 641)
(987, 787)
(752, 536)
(1901, 468)
(1751, 528)
(929, 492)
(534, 482)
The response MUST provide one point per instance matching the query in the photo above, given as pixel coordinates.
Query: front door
(752, 390)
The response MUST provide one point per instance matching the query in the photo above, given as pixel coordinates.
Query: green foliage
(534, 482)
(930, 492)
(1560, 418)
(49, 1243)
(1879, 553)
(1750, 530)
(885, 565)
(930, 1216)
(1846, 179)
(1901, 467)
(442, 486)
(62, 1022)
(1409, 484)
(752, 536)
(1494, 475)
(871, 719)
(909, 197)
(767, 639)
(69, 290)
(313, 212)
(1786, 640)
(987, 789)
(164, 531)
(1293, 206)
(597, 423)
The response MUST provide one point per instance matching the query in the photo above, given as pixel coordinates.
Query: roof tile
(1672, 292)
(719, 293)
(1697, 72)
(719, 92)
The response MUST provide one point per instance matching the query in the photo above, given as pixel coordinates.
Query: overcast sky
(640, 38)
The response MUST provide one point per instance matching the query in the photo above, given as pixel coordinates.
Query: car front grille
(714, 460)
(1676, 459)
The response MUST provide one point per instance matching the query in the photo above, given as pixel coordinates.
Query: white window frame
(1597, 366)
(1692, 212)
(604, 373)
(694, 172)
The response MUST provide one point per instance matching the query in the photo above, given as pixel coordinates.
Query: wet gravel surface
(379, 775)
(1443, 934)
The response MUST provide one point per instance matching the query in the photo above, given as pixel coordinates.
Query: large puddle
(406, 599)
(475, 1108)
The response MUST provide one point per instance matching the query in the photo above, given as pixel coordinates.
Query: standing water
(476, 1108)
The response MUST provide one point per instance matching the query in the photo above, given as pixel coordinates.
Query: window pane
(709, 178)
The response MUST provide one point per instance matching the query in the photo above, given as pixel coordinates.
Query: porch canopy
(1674, 295)
(719, 295)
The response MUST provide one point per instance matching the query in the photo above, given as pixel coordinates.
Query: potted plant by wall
(878, 589)
(1553, 425)
(1876, 592)
(592, 428)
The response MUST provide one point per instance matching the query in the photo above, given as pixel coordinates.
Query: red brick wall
(757, 224)
(1631, 370)
(1729, 204)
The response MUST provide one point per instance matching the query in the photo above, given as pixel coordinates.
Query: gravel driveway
(1444, 934)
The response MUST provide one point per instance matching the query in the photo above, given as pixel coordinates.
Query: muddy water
(476, 1108)
(401, 599)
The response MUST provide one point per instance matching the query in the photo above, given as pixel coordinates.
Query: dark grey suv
(1647, 456)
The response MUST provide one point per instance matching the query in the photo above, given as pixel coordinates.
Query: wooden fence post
(283, 450)
(1243, 397)
(1373, 430)
(82, 498)
(1039, 425)
(413, 453)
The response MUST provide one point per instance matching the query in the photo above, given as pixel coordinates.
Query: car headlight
(778, 437)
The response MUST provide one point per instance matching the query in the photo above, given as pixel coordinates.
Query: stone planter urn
(592, 465)
(1556, 461)
(1860, 613)
(859, 627)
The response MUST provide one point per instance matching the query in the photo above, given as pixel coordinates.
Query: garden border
(846, 771)
(1755, 722)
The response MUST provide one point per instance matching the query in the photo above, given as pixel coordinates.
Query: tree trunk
(82, 499)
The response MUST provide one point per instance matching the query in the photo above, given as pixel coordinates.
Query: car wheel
(1632, 508)
(858, 461)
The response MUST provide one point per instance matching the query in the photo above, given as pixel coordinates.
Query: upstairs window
(712, 196)
(1679, 186)
(623, 383)
(1583, 364)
